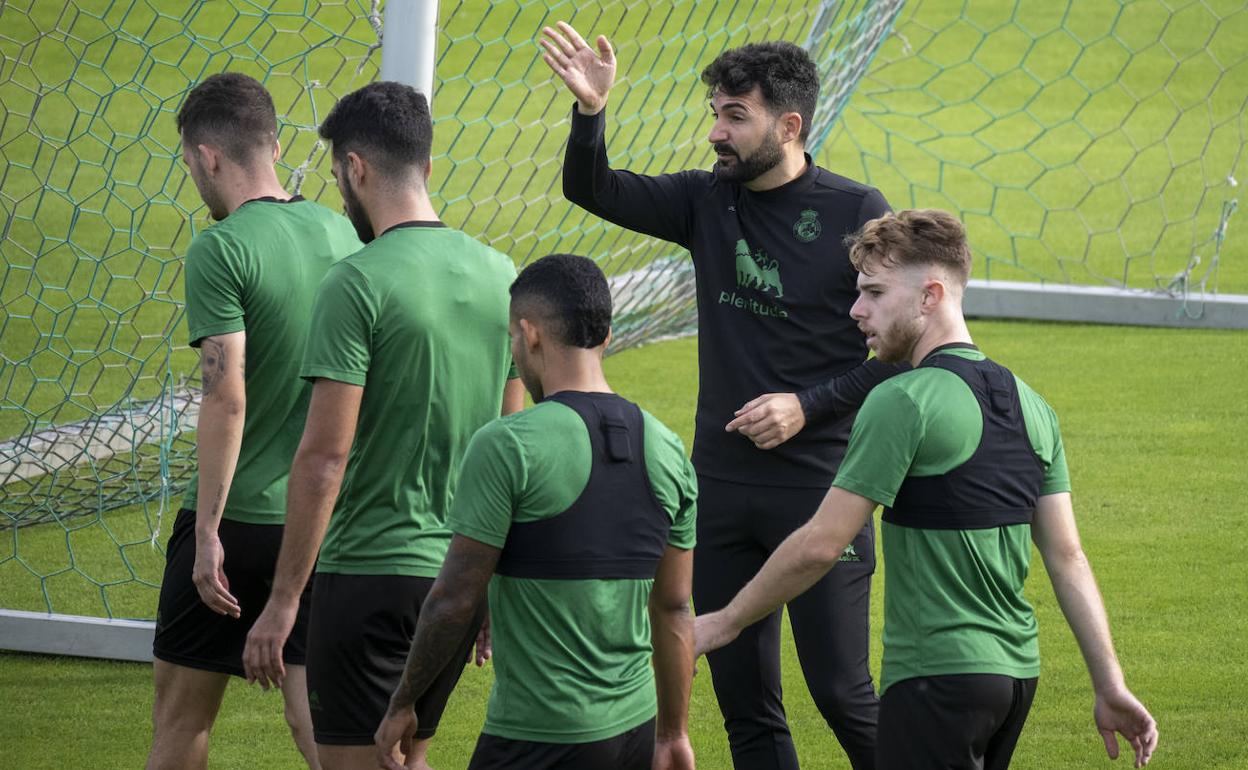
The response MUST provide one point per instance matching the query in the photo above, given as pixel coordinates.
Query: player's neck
(576, 369)
(791, 167)
(943, 331)
(394, 208)
(248, 185)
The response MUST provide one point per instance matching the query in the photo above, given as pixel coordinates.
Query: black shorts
(187, 632)
(630, 750)
(969, 721)
(361, 631)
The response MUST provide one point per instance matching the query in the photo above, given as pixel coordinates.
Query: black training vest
(1000, 483)
(616, 529)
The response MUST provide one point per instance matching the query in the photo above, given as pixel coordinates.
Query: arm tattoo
(446, 619)
(212, 364)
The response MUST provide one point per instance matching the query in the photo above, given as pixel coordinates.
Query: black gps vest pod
(616, 529)
(1000, 483)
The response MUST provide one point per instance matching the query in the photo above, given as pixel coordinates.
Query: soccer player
(781, 366)
(408, 351)
(969, 464)
(250, 283)
(582, 509)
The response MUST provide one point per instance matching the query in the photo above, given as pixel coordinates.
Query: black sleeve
(844, 394)
(873, 205)
(654, 205)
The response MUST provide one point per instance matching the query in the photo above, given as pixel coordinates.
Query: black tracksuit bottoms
(739, 525)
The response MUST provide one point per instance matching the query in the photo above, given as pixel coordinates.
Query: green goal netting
(1091, 143)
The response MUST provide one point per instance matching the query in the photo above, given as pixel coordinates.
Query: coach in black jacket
(782, 365)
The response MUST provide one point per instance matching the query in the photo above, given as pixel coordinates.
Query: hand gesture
(398, 727)
(1118, 711)
(769, 420)
(485, 648)
(673, 754)
(209, 577)
(589, 75)
(262, 657)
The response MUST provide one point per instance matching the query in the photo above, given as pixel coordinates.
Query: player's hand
(589, 75)
(485, 647)
(262, 657)
(675, 753)
(398, 727)
(1118, 711)
(769, 420)
(712, 631)
(209, 577)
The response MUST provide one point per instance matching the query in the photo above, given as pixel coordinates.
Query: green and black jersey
(954, 602)
(572, 656)
(257, 271)
(418, 318)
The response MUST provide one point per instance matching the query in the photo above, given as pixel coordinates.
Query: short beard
(764, 159)
(902, 336)
(355, 212)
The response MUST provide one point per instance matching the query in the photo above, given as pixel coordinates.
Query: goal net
(98, 389)
(1095, 143)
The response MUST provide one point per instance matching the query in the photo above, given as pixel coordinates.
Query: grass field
(1151, 420)
(1089, 143)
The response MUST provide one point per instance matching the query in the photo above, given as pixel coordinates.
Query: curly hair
(783, 72)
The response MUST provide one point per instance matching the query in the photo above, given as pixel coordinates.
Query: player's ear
(532, 334)
(428, 171)
(933, 294)
(607, 342)
(790, 127)
(356, 169)
(277, 149)
(209, 158)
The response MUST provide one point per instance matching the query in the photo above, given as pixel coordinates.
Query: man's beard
(764, 159)
(897, 341)
(355, 212)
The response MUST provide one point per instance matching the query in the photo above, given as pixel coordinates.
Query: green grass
(1151, 420)
(1072, 142)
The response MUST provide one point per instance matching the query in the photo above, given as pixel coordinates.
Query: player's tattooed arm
(448, 618)
(218, 358)
(219, 440)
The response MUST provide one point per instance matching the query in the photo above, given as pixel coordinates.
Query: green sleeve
(491, 481)
(340, 338)
(214, 290)
(1046, 439)
(673, 480)
(882, 445)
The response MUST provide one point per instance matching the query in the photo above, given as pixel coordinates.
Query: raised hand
(588, 74)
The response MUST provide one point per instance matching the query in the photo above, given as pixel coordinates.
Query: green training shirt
(954, 602)
(571, 657)
(257, 271)
(418, 318)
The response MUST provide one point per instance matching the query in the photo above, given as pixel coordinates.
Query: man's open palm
(588, 74)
